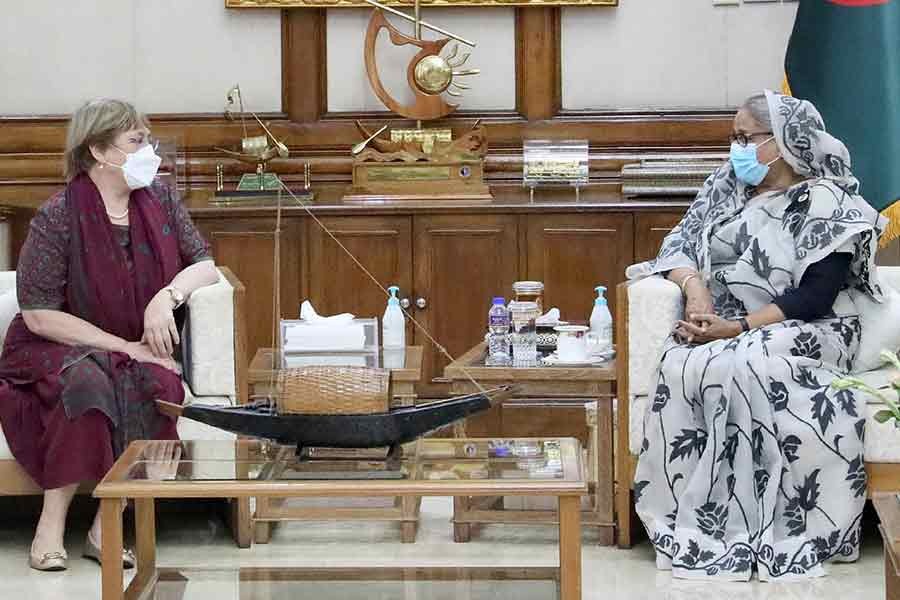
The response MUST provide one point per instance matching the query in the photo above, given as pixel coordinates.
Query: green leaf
(883, 416)
(890, 357)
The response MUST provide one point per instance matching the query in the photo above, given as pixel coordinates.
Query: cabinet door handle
(404, 303)
(422, 303)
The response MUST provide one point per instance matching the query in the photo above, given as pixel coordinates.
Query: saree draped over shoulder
(749, 460)
(68, 411)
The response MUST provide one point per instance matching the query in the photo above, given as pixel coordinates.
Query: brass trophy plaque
(419, 164)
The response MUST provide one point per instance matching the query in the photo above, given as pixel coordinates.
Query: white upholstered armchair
(646, 311)
(214, 342)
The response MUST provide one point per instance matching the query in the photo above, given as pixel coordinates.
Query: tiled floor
(196, 538)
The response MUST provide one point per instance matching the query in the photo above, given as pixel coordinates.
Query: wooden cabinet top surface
(507, 199)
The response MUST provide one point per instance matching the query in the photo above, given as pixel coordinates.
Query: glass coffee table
(433, 467)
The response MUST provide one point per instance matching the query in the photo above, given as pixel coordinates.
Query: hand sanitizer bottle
(601, 321)
(393, 324)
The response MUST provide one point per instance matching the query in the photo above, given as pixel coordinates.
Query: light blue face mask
(747, 167)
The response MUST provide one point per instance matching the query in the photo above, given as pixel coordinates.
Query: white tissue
(551, 317)
(309, 314)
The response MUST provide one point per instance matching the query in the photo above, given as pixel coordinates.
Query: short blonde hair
(97, 123)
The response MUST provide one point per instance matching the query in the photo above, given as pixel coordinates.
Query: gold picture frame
(410, 3)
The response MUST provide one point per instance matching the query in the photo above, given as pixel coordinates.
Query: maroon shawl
(99, 278)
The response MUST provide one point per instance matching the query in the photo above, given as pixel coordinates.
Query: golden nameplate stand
(419, 164)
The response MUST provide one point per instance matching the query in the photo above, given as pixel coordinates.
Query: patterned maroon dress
(68, 411)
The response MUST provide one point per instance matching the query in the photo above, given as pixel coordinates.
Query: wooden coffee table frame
(594, 387)
(270, 511)
(116, 488)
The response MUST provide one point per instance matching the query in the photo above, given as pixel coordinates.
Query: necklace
(117, 217)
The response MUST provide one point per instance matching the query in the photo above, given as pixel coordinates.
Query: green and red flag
(844, 57)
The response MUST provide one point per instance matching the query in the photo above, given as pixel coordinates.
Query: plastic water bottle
(498, 332)
(601, 321)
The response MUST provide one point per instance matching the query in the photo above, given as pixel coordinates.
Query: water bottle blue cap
(600, 289)
(499, 300)
(393, 291)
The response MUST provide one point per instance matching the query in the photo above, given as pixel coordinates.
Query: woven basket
(324, 390)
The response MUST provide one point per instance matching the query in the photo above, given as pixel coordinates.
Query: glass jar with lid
(530, 291)
(523, 336)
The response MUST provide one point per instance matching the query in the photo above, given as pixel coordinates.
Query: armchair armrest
(646, 311)
(215, 340)
(654, 305)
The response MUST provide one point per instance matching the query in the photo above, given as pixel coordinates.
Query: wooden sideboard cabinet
(335, 284)
(574, 253)
(649, 231)
(460, 262)
(449, 259)
(247, 247)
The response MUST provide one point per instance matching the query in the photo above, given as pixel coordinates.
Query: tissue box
(299, 336)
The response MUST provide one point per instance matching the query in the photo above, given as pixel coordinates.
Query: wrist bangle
(683, 284)
(745, 325)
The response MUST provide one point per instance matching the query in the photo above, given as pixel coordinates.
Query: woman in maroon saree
(106, 263)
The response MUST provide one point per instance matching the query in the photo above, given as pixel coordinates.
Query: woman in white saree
(750, 461)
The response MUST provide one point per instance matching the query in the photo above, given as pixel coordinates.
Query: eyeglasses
(745, 138)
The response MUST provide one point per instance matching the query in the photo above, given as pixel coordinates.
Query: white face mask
(140, 167)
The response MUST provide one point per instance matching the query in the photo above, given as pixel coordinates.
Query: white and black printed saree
(750, 461)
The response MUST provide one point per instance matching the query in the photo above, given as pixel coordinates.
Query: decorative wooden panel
(303, 71)
(382, 244)
(247, 247)
(573, 253)
(460, 263)
(538, 82)
(649, 231)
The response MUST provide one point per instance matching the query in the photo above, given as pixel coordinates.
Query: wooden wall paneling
(573, 253)
(538, 54)
(649, 231)
(304, 76)
(247, 247)
(384, 247)
(31, 150)
(461, 262)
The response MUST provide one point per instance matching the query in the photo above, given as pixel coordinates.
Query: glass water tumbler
(523, 335)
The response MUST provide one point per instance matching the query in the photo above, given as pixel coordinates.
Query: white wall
(672, 53)
(182, 55)
(492, 29)
(164, 55)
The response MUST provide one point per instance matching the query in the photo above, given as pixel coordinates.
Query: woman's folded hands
(702, 328)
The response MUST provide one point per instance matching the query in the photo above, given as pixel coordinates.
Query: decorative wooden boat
(392, 428)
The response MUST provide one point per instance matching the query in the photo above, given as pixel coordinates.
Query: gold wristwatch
(176, 295)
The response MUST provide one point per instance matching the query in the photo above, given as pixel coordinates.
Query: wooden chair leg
(262, 532)
(239, 517)
(623, 514)
(462, 532)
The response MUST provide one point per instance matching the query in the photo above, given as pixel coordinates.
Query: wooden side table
(405, 509)
(591, 387)
(888, 507)
(262, 369)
